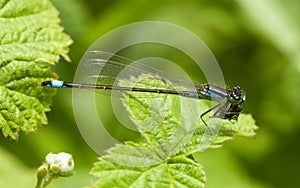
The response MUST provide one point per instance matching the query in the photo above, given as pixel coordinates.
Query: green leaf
(172, 123)
(30, 39)
(166, 121)
(176, 172)
(135, 154)
(173, 132)
(244, 126)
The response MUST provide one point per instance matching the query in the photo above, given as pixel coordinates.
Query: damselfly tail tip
(53, 83)
(46, 83)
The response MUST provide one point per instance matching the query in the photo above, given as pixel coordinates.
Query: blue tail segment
(53, 83)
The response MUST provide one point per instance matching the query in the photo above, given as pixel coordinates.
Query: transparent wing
(109, 69)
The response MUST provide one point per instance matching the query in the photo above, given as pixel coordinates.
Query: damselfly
(108, 66)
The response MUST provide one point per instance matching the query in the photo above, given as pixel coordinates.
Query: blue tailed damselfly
(230, 109)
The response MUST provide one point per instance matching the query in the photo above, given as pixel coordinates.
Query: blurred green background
(257, 46)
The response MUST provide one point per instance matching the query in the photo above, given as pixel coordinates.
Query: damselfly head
(235, 103)
(237, 95)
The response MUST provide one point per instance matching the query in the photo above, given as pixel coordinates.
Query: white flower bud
(61, 164)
